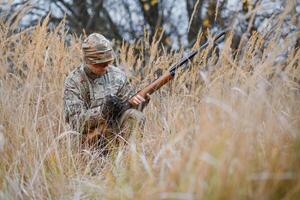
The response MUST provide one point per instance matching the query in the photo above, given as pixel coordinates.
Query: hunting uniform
(87, 95)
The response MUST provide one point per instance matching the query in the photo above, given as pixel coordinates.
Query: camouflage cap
(97, 49)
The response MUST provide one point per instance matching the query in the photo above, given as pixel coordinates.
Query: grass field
(228, 128)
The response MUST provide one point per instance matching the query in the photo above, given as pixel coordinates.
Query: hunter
(93, 91)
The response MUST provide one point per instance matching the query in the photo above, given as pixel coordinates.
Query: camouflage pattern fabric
(97, 49)
(129, 125)
(131, 120)
(85, 96)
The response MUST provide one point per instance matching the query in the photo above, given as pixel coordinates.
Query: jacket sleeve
(76, 111)
(126, 90)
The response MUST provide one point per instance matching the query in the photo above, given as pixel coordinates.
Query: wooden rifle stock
(152, 87)
(162, 80)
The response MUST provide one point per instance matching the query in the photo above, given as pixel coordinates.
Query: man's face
(99, 68)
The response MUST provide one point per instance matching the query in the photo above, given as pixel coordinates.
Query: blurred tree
(196, 24)
(127, 19)
(88, 15)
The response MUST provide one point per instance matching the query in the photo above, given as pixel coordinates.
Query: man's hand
(113, 107)
(140, 101)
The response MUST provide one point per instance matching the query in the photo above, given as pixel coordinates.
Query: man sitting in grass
(95, 94)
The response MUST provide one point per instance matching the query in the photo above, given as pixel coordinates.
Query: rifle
(169, 75)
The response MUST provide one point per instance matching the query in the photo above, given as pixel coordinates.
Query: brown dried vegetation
(229, 132)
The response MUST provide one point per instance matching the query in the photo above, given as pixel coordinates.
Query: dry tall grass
(230, 132)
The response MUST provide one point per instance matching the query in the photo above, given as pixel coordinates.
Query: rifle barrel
(183, 60)
(162, 80)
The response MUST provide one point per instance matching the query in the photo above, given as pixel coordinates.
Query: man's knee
(133, 115)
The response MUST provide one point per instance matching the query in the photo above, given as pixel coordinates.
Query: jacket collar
(91, 74)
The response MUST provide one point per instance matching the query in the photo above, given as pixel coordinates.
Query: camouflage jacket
(85, 95)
